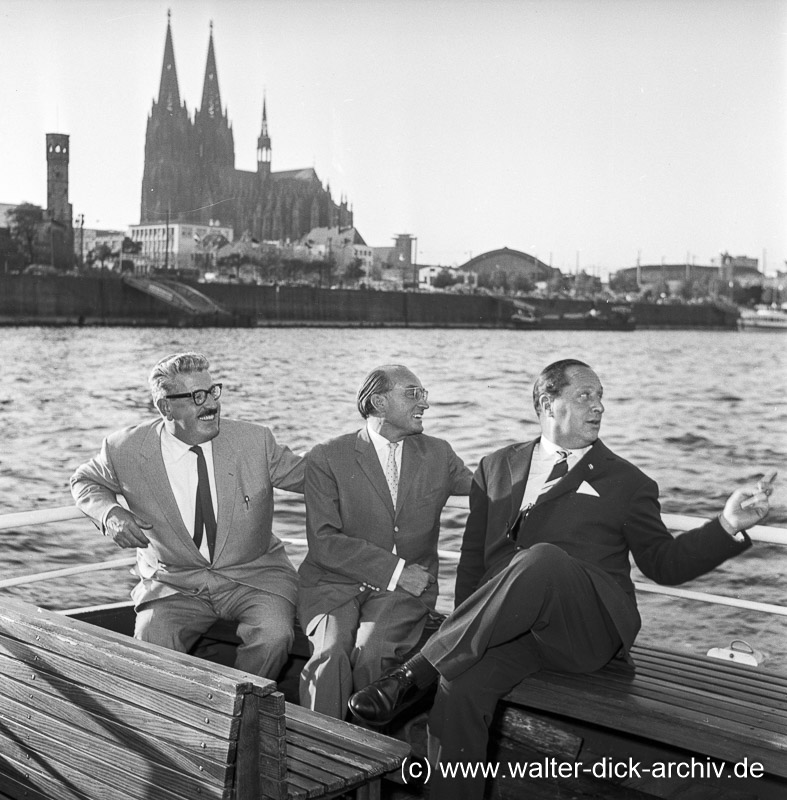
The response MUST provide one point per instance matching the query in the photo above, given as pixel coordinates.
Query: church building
(190, 174)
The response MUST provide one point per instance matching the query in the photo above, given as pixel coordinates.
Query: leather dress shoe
(380, 701)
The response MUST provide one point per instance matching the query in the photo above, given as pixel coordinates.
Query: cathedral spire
(168, 93)
(264, 143)
(211, 99)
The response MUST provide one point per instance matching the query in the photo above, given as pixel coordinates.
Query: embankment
(45, 300)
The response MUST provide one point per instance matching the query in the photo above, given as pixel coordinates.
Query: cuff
(395, 577)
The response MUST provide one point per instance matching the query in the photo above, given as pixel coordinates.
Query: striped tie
(559, 469)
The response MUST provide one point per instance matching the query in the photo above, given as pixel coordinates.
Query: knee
(547, 558)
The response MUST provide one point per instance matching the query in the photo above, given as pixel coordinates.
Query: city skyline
(587, 134)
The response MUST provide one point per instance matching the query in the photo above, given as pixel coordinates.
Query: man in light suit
(373, 503)
(544, 578)
(200, 510)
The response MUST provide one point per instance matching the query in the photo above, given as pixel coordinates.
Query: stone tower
(57, 206)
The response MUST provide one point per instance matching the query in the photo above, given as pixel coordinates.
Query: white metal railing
(759, 533)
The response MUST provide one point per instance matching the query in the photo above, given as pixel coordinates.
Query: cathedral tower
(167, 189)
(264, 146)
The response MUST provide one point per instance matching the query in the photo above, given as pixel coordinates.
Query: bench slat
(361, 742)
(121, 655)
(576, 696)
(45, 669)
(68, 723)
(54, 764)
(78, 705)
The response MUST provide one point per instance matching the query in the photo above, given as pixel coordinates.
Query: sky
(588, 133)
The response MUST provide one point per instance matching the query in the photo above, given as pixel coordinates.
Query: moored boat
(697, 720)
(763, 318)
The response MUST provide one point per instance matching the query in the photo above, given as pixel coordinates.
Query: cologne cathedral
(190, 173)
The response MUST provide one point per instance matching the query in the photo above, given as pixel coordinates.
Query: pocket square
(586, 488)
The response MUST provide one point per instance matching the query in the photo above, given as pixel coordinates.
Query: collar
(379, 442)
(173, 449)
(549, 450)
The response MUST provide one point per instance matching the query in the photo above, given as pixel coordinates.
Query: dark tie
(203, 517)
(559, 469)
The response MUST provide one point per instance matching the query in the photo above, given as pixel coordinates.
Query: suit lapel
(367, 459)
(224, 472)
(412, 463)
(155, 474)
(519, 459)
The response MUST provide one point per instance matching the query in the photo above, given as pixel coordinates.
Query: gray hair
(553, 380)
(164, 373)
(378, 381)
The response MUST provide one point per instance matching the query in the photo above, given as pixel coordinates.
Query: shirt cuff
(395, 577)
(104, 518)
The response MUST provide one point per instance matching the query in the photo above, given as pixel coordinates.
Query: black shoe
(380, 701)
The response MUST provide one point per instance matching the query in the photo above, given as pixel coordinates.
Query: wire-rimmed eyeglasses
(199, 396)
(416, 393)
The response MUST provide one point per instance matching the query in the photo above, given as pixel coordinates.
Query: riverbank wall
(55, 300)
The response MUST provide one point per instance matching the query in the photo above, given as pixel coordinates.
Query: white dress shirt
(181, 466)
(544, 457)
(381, 448)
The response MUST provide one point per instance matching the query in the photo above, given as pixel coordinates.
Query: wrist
(729, 528)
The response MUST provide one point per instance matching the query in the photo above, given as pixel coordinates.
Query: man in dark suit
(200, 510)
(373, 503)
(544, 578)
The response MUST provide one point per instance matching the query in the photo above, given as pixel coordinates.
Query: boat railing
(676, 522)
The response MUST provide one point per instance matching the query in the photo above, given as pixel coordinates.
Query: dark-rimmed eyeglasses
(416, 393)
(199, 396)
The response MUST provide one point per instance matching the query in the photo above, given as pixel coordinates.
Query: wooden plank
(344, 735)
(107, 715)
(134, 745)
(300, 764)
(19, 788)
(89, 762)
(174, 663)
(651, 719)
(55, 674)
(513, 726)
(148, 665)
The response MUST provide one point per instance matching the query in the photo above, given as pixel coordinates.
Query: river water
(700, 411)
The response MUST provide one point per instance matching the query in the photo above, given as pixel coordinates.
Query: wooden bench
(689, 704)
(90, 714)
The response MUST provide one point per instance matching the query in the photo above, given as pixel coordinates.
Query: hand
(126, 529)
(415, 579)
(748, 506)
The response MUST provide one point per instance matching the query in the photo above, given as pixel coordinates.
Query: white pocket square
(586, 488)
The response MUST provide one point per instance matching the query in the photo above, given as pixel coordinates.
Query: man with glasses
(373, 503)
(199, 492)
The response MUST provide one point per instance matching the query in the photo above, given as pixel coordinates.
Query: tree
(23, 222)
(444, 279)
(354, 271)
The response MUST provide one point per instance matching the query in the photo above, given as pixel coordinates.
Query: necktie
(204, 517)
(559, 469)
(391, 472)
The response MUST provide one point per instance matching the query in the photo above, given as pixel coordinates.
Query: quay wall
(56, 300)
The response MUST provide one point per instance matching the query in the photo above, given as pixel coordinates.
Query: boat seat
(723, 711)
(87, 713)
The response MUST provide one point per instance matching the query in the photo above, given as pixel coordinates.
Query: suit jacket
(601, 531)
(352, 525)
(247, 463)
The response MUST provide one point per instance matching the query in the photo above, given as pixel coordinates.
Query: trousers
(541, 611)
